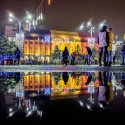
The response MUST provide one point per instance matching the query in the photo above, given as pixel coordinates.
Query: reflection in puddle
(30, 91)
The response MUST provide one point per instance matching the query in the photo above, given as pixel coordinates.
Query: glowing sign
(19, 36)
(47, 39)
(47, 91)
(19, 93)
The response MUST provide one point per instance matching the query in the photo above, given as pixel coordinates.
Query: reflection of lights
(88, 107)
(27, 109)
(10, 110)
(100, 105)
(81, 103)
(11, 114)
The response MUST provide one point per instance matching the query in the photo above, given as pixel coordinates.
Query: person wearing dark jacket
(17, 56)
(89, 51)
(123, 54)
(103, 41)
(65, 56)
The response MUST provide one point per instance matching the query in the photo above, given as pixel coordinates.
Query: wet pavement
(65, 97)
(59, 68)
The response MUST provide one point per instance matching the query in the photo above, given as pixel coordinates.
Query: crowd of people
(105, 57)
(10, 59)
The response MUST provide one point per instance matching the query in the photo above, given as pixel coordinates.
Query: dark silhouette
(17, 77)
(65, 77)
(17, 56)
(73, 58)
(65, 56)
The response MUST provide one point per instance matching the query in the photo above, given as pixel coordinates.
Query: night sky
(69, 14)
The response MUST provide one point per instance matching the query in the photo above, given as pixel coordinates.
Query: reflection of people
(65, 56)
(65, 77)
(123, 81)
(89, 78)
(17, 77)
(105, 93)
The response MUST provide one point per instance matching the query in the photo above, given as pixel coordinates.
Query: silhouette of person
(17, 77)
(65, 77)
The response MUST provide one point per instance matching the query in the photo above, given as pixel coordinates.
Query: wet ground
(66, 97)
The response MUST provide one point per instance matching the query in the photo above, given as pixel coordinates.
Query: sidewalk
(58, 68)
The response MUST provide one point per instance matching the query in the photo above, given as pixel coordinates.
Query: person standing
(7, 59)
(89, 51)
(2, 59)
(17, 56)
(65, 55)
(111, 38)
(103, 41)
(73, 57)
(123, 54)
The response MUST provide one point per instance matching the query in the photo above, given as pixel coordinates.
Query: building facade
(39, 44)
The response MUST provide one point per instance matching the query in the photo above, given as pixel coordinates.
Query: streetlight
(102, 24)
(13, 18)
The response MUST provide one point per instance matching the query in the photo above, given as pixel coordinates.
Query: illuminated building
(40, 44)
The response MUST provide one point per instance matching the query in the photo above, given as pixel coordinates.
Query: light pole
(20, 21)
(13, 18)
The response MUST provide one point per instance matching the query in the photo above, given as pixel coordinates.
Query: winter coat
(111, 38)
(103, 39)
(123, 49)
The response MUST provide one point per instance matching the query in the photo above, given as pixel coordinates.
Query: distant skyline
(69, 14)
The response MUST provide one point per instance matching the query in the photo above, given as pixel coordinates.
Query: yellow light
(49, 2)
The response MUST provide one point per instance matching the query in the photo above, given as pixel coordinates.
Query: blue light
(47, 39)
(47, 91)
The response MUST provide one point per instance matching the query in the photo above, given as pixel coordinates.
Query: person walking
(111, 38)
(103, 41)
(65, 56)
(17, 56)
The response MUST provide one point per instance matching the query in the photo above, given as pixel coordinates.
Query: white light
(11, 114)
(41, 16)
(29, 16)
(27, 21)
(33, 23)
(89, 23)
(100, 105)
(10, 20)
(81, 27)
(11, 15)
(88, 107)
(29, 113)
(81, 103)
(10, 110)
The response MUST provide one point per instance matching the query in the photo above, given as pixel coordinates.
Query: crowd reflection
(93, 87)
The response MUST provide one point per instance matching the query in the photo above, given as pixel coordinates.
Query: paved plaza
(58, 68)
